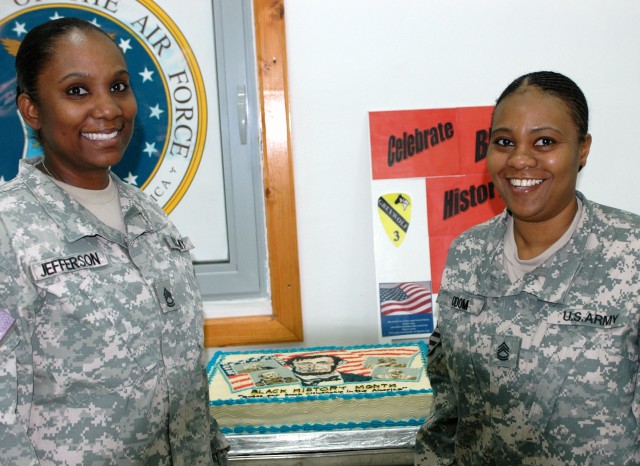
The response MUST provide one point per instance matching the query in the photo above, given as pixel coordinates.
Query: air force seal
(171, 124)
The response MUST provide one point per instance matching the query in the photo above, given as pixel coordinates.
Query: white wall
(349, 57)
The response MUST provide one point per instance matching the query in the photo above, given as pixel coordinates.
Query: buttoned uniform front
(104, 362)
(543, 371)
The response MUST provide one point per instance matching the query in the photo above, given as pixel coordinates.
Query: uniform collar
(74, 220)
(549, 282)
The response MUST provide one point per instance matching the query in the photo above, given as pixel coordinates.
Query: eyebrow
(80, 74)
(534, 130)
(73, 75)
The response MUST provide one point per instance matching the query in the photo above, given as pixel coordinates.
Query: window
(243, 273)
(283, 322)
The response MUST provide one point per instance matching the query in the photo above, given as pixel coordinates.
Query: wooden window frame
(285, 322)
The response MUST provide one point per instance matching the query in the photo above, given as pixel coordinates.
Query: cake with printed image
(320, 388)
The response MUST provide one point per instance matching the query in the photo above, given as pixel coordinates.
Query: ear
(29, 111)
(585, 147)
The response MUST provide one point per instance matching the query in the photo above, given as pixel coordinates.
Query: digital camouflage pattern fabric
(543, 371)
(103, 364)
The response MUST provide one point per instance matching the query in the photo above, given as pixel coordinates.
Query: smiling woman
(101, 320)
(540, 306)
(534, 159)
(85, 119)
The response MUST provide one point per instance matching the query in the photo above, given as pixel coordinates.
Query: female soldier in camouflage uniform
(535, 360)
(101, 338)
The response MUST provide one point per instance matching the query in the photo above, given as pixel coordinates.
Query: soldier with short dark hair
(535, 358)
(101, 323)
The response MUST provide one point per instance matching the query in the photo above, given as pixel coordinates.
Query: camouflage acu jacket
(101, 362)
(543, 371)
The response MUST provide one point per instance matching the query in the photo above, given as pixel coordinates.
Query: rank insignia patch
(506, 350)
(395, 214)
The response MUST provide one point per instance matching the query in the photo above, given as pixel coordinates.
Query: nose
(522, 157)
(106, 106)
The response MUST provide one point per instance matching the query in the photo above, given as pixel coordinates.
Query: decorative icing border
(321, 427)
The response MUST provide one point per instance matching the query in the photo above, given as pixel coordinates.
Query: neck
(93, 179)
(533, 238)
(44, 169)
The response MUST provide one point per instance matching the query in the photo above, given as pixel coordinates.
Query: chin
(108, 162)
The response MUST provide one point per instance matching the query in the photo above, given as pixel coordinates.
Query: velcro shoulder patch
(6, 323)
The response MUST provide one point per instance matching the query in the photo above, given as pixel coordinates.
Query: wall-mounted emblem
(171, 124)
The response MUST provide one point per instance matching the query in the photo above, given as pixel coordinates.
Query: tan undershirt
(103, 203)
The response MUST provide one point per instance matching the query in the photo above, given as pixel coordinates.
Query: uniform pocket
(552, 382)
(179, 296)
(589, 370)
(182, 320)
(458, 333)
(8, 378)
(85, 342)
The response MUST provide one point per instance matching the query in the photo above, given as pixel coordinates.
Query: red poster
(447, 147)
(454, 204)
(474, 124)
(422, 143)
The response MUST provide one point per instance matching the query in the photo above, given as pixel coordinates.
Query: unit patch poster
(429, 184)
